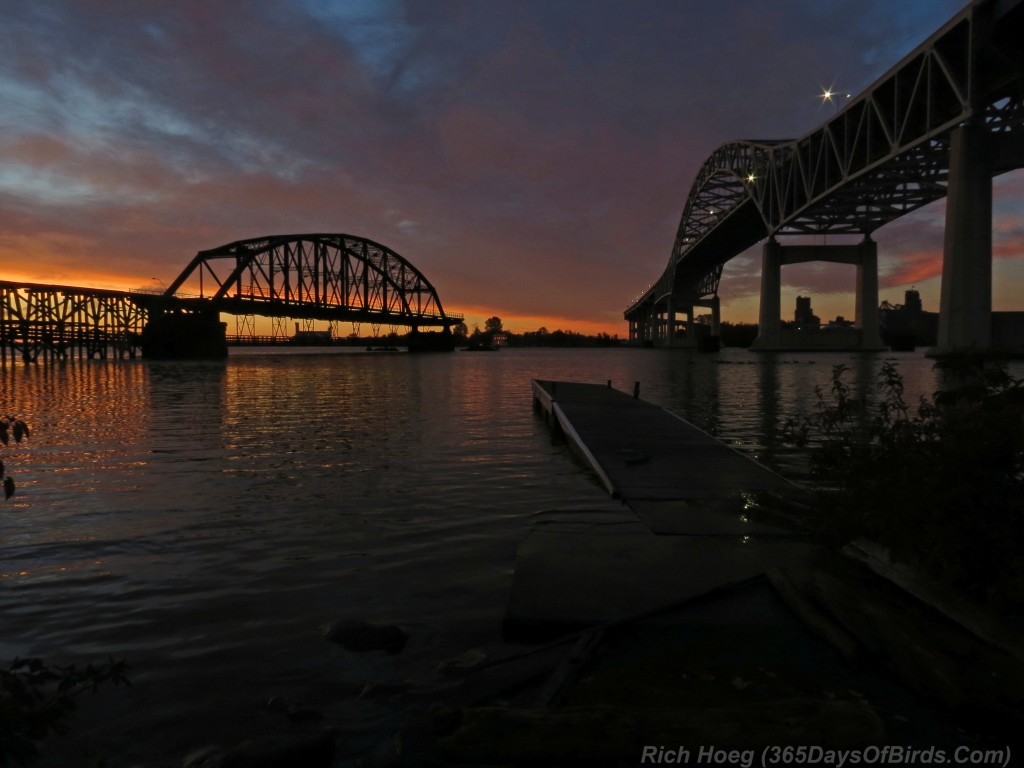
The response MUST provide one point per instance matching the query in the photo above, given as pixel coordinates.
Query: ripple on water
(203, 520)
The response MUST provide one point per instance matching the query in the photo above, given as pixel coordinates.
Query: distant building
(310, 338)
(804, 316)
(839, 322)
(907, 326)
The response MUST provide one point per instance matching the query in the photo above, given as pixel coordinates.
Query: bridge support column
(866, 317)
(706, 337)
(641, 328)
(645, 326)
(965, 310)
(769, 327)
(716, 317)
(181, 336)
(864, 256)
(670, 323)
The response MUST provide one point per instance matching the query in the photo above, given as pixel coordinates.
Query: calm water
(204, 520)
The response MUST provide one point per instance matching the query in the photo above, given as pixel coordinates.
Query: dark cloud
(532, 157)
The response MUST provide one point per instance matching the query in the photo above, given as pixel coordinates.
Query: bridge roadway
(327, 277)
(941, 123)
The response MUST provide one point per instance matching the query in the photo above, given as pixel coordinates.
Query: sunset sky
(530, 157)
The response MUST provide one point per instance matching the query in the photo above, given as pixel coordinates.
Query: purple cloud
(529, 157)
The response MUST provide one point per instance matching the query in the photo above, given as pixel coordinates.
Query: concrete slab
(567, 579)
(702, 517)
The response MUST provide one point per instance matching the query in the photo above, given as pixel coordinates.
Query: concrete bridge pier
(772, 336)
(769, 324)
(670, 323)
(180, 335)
(690, 334)
(965, 310)
(866, 311)
(716, 314)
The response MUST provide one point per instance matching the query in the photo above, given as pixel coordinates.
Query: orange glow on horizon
(475, 316)
(112, 281)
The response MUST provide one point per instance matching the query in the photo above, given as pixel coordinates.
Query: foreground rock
(608, 735)
(363, 636)
(272, 751)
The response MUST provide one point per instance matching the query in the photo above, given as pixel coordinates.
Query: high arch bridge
(941, 123)
(327, 277)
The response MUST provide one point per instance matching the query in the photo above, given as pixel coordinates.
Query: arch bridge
(941, 123)
(320, 276)
(329, 277)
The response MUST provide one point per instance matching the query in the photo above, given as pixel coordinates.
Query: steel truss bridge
(327, 277)
(887, 152)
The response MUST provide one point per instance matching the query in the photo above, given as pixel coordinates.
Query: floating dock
(693, 607)
(694, 516)
(644, 452)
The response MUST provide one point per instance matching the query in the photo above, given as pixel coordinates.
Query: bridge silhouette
(943, 122)
(328, 277)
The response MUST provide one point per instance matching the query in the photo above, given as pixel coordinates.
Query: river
(205, 520)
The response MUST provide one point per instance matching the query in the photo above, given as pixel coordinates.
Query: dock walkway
(644, 452)
(694, 611)
(695, 516)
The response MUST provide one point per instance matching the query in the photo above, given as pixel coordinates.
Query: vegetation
(19, 429)
(542, 337)
(940, 484)
(737, 334)
(36, 699)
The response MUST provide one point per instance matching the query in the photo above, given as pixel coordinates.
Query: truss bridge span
(327, 277)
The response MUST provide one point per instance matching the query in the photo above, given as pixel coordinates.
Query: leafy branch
(20, 430)
(36, 700)
(940, 483)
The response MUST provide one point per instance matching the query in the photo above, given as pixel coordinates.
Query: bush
(36, 700)
(940, 484)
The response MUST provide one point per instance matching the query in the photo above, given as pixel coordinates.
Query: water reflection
(768, 407)
(203, 520)
(694, 389)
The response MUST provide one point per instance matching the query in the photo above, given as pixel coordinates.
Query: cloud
(530, 156)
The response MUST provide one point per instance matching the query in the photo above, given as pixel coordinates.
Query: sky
(530, 157)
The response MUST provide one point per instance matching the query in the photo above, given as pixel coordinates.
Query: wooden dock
(680, 597)
(644, 452)
(694, 515)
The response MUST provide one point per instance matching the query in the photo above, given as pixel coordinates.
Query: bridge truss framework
(888, 152)
(330, 277)
(53, 322)
(333, 277)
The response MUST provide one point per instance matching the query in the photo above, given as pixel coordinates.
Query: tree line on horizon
(732, 335)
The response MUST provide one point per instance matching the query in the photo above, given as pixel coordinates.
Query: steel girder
(325, 276)
(885, 154)
(53, 321)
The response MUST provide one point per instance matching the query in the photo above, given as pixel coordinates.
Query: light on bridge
(828, 95)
